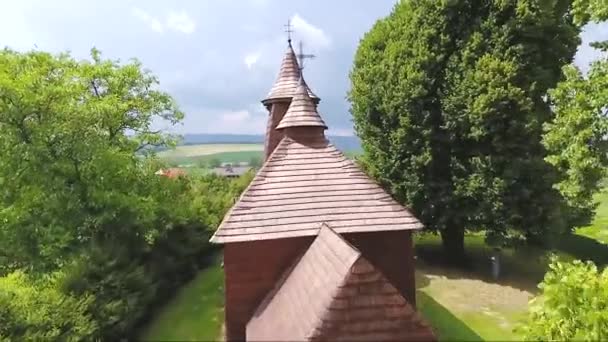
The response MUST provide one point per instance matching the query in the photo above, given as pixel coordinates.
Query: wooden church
(314, 250)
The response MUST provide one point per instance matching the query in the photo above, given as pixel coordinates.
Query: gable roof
(334, 294)
(302, 111)
(302, 185)
(288, 79)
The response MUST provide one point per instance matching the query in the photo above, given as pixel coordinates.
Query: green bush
(573, 304)
(129, 280)
(35, 310)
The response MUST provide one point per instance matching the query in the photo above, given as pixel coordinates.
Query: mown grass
(447, 326)
(522, 269)
(196, 312)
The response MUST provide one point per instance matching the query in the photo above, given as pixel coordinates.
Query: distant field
(222, 157)
(198, 155)
(207, 149)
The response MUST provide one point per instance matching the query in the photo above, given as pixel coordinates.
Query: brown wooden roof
(334, 294)
(288, 79)
(302, 111)
(303, 185)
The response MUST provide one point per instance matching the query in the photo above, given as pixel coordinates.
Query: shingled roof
(288, 79)
(306, 181)
(302, 111)
(303, 185)
(334, 294)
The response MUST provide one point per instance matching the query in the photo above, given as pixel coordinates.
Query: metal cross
(301, 56)
(288, 30)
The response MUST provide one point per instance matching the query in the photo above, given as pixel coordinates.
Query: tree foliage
(576, 138)
(37, 311)
(91, 240)
(448, 98)
(69, 169)
(573, 304)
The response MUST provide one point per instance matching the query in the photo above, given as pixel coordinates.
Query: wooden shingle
(305, 184)
(334, 294)
(288, 79)
(302, 111)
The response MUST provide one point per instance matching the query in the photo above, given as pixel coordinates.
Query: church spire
(302, 111)
(289, 75)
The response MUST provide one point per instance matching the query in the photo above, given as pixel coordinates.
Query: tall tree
(71, 170)
(448, 98)
(576, 137)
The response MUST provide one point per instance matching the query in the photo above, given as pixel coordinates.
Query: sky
(217, 58)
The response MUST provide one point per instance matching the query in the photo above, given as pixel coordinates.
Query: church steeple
(280, 96)
(287, 80)
(302, 112)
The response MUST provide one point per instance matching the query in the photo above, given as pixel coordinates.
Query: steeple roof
(304, 184)
(288, 79)
(302, 110)
(333, 293)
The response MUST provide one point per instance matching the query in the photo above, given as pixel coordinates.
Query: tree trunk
(453, 245)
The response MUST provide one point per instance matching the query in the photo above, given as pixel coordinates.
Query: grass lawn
(468, 305)
(195, 314)
(598, 230)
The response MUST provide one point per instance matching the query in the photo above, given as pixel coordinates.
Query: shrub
(573, 304)
(35, 310)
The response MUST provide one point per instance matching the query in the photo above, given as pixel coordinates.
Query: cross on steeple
(288, 30)
(301, 55)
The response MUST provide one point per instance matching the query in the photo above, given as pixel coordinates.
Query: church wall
(393, 254)
(252, 270)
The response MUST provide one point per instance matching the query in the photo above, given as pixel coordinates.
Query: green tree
(448, 98)
(572, 305)
(576, 138)
(214, 162)
(71, 169)
(255, 162)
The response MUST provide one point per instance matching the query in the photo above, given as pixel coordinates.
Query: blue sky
(218, 58)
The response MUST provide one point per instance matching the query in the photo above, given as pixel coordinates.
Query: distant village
(229, 170)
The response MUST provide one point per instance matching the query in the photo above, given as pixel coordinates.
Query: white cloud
(259, 3)
(340, 132)
(587, 54)
(175, 21)
(251, 59)
(181, 21)
(241, 122)
(312, 35)
(251, 120)
(153, 23)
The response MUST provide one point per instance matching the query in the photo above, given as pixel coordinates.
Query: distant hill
(349, 144)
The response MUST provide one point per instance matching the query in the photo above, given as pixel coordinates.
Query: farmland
(204, 156)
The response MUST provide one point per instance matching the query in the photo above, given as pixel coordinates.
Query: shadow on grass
(584, 248)
(447, 327)
(522, 268)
